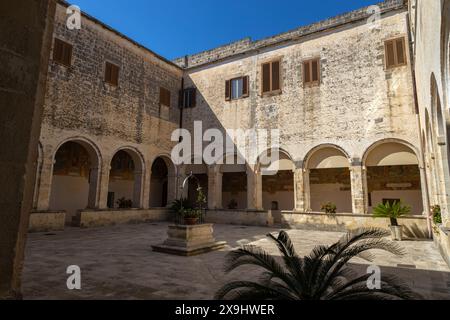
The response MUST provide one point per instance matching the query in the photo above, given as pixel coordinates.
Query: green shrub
(392, 211)
(436, 211)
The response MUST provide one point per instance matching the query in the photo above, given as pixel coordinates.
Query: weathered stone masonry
(362, 116)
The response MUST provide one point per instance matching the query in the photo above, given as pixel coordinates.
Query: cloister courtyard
(118, 263)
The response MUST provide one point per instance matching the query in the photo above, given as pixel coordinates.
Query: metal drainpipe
(179, 140)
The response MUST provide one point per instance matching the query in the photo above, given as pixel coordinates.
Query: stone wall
(245, 45)
(81, 107)
(357, 104)
(92, 219)
(240, 217)
(414, 227)
(47, 221)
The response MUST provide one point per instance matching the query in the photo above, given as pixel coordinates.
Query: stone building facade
(347, 95)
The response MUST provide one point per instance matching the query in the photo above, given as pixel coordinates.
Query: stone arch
(162, 181)
(75, 176)
(127, 171)
(234, 171)
(340, 157)
(278, 192)
(327, 168)
(393, 174)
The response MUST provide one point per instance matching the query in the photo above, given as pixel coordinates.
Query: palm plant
(392, 211)
(323, 275)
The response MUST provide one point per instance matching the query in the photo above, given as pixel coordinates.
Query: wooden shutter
(164, 97)
(245, 87)
(67, 54)
(108, 72)
(266, 77)
(228, 90)
(115, 75)
(306, 72)
(57, 50)
(62, 52)
(276, 76)
(400, 50)
(111, 74)
(390, 54)
(193, 98)
(315, 71)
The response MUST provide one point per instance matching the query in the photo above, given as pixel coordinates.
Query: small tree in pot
(393, 211)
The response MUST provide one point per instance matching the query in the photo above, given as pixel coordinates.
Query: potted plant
(436, 212)
(393, 211)
(124, 203)
(191, 216)
(329, 208)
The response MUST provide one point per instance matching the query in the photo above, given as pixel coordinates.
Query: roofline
(104, 25)
(394, 7)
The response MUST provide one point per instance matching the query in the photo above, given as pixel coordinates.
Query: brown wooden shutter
(67, 54)
(228, 90)
(115, 75)
(276, 76)
(390, 54)
(193, 98)
(245, 86)
(108, 72)
(306, 72)
(57, 50)
(400, 46)
(315, 71)
(266, 77)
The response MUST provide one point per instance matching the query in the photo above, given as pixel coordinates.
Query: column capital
(299, 164)
(356, 162)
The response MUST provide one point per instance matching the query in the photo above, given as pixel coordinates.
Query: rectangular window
(311, 72)
(164, 97)
(111, 74)
(188, 98)
(237, 88)
(271, 79)
(395, 53)
(62, 52)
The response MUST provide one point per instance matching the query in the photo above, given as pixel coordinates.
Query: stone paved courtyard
(118, 263)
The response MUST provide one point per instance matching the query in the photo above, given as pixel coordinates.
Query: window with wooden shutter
(271, 77)
(228, 90)
(189, 98)
(237, 88)
(111, 74)
(311, 72)
(164, 97)
(395, 53)
(62, 52)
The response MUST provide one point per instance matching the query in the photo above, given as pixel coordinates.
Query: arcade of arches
(388, 171)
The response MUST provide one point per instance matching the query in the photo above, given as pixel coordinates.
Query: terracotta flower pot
(190, 221)
(397, 233)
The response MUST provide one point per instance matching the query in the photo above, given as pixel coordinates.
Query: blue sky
(174, 28)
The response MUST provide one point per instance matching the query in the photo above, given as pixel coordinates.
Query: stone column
(138, 189)
(214, 187)
(182, 192)
(25, 37)
(94, 178)
(146, 187)
(358, 186)
(45, 185)
(104, 185)
(172, 186)
(299, 188)
(254, 189)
